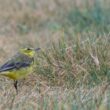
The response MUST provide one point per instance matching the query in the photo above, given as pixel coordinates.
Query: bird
(19, 66)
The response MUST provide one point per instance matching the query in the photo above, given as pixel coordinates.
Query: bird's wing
(17, 62)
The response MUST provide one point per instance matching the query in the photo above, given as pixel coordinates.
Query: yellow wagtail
(20, 65)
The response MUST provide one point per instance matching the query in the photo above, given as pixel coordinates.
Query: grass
(82, 59)
(76, 67)
(72, 70)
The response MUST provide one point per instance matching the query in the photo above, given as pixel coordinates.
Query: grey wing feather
(17, 62)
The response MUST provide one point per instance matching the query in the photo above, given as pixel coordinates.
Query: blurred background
(37, 22)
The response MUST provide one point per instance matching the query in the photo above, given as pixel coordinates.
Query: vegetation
(72, 70)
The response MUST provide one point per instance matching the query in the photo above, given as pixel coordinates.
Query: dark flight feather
(17, 62)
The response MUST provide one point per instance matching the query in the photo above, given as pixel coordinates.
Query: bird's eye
(28, 49)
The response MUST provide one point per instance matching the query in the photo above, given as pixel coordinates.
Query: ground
(72, 70)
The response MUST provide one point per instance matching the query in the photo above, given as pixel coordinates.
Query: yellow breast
(18, 74)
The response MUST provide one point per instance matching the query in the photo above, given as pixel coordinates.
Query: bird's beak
(37, 49)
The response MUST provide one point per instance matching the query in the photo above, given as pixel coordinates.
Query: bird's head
(29, 51)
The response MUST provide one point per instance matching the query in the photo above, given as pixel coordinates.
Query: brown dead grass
(35, 91)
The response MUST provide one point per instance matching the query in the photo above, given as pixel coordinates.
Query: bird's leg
(15, 85)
